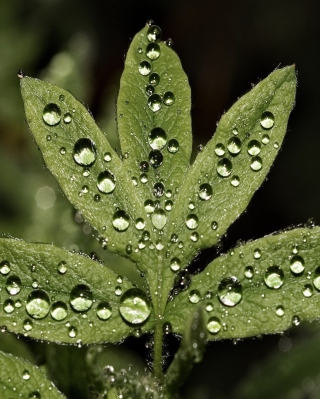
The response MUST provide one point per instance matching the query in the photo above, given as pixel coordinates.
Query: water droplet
(214, 325)
(168, 98)
(235, 181)
(230, 291)
(192, 221)
(26, 375)
(51, 114)
(307, 290)
(5, 267)
(134, 306)
(234, 145)
(153, 51)
(154, 102)
(67, 118)
(63, 151)
(144, 68)
(173, 146)
(34, 395)
(182, 280)
(168, 205)
(265, 139)
(267, 120)
(159, 219)
(220, 150)
(72, 332)
(280, 311)
(154, 34)
(84, 152)
(62, 267)
(256, 163)
(27, 325)
(149, 206)
(296, 320)
(8, 306)
(257, 253)
(149, 90)
(254, 147)
(144, 166)
(38, 304)
(194, 296)
(61, 97)
(154, 79)
(140, 51)
(157, 138)
(106, 182)
(224, 167)
(96, 198)
(316, 280)
(214, 225)
(274, 277)
(276, 145)
(249, 272)
(194, 237)
(81, 298)
(297, 264)
(120, 221)
(59, 310)
(155, 158)
(175, 264)
(140, 224)
(174, 238)
(144, 178)
(118, 291)
(169, 42)
(205, 192)
(107, 156)
(104, 311)
(13, 285)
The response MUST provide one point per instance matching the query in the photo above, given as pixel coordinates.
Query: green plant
(151, 206)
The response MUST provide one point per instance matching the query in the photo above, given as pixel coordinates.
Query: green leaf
(234, 163)
(51, 294)
(20, 379)
(265, 286)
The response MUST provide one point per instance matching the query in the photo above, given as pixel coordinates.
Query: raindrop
(149, 206)
(155, 158)
(234, 145)
(175, 264)
(38, 304)
(81, 298)
(257, 253)
(159, 219)
(209, 307)
(307, 290)
(8, 306)
(254, 147)
(191, 205)
(154, 34)
(280, 311)
(214, 325)
(205, 192)
(104, 311)
(67, 117)
(168, 205)
(235, 131)
(297, 264)
(59, 311)
(173, 146)
(62, 267)
(106, 182)
(140, 224)
(224, 167)
(149, 90)
(194, 237)
(230, 291)
(120, 221)
(267, 120)
(235, 181)
(192, 221)
(118, 291)
(220, 150)
(144, 178)
(51, 114)
(154, 79)
(154, 102)
(153, 51)
(5, 267)
(63, 150)
(144, 68)
(27, 325)
(84, 152)
(144, 166)
(265, 139)
(214, 225)
(134, 306)
(72, 332)
(256, 163)
(194, 296)
(168, 98)
(157, 138)
(158, 190)
(274, 277)
(26, 375)
(107, 156)
(13, 285)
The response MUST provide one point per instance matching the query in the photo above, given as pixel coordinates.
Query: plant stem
(157, 355)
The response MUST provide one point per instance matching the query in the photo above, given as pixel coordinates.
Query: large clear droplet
(134, 306)
(220, 150)
(153, 51)
(84, 152)
(205, 192)
(154, 34)
(173, 146)
(274, 277)
(254, 147)
(149, 206)
(81, 298)
(144, 68)
(297, 264)
(214, 325)
(192, 221)
(51, 114)
(13, 285)
(267, 120)
(230, 291)
(157, 138)
(159, 219)
(224, 167)
(59, 311)
(106, 182)
(38, 304)
(154, 102)
(256, 163)
(234, 145)
(120, 221)
(155, 158)
(154, 79)
(168, 98)
(104, 311)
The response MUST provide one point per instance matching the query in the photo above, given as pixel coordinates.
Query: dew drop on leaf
(120, 221)
(104, 311)
(274, 277)
(158, 190)
(205, 192)
(214, 325)
(149, 90)
(26, 375)
(168, 98)
(173, 146)
(182, 280)
(257, 253)
(59, 310)
(265, 139)
(67, 118)
(118, 291)
(153, 51)
(51, 114)
(154, 79)
(13, 285)
(194, 237)
(168, 205)
(192, 221)
(144, 166)
(63, 150)
(140, 224)
(107, 156)
(220, 150)
(254, 147)
(81, 298)
(224, 167)
(62, 267)
(144, 178)
(267, 120)
(230, 291)
(235, 181)
(297, 264)
(157, 138)
(209, 307)
(194, 296)
(280, 311)
(159, 219)
(27, 325)
(295, 321)
(307, 291)
(5, 268)
(234, 145)
(72, 332)
(316, 280)
(167, 329)
(84, 152)
(249, 272)
(106, 182)
(154, 102)
(155, 158)
(154, 34)
(34, 395)
(134, 306)
(256, 163)
(144, 68)
(149, 206)
(8, 306)
(175, 264)
(214, 225)
(38, 304)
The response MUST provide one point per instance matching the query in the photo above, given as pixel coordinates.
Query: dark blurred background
(225, 47)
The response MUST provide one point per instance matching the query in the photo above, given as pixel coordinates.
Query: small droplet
(27, 325)
(267, 120)
(51, 114)
(134, 306)
(67, 118)
(144, 166)
(155, 158)
(118, 291)
(81, 298)
(153, 51)
(276, 145)
(107, 156)
(104, 311)
(38, 304)
(296, 320)
(34, 395)
(194, 296)
(214, 325)
(144, 178)
(59, 311)
(26, 375)
(62, 267)
(159, 219)
(192, 221)
(173, 146)
(230, 291)
(234, 145)
(168, 205)
(149, 206)
(224, 167)
(214, 225)
(106, 182)
(72, 332)
(144, 68)
(274, 277)
(254, 147)
(154, 102)
(149, 90)
(280, 311)
(220, 150)
(140, 224)
(84, 152)
(297, 264)
(154, 34)
(256, 253)
(8, 306)
(13, 285)
(168, 98)
(157, 138)
(140, 51)
(175, 264)
(96, 198)
(316, 280)
(63, 151)
(235, 181)
(194, 237)
(249, 272)
(169, 42)
(256, 163)
(205, 192)
(307, 290)
(5, 268)
(265, 139)
(120, 221)
(154, 79)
